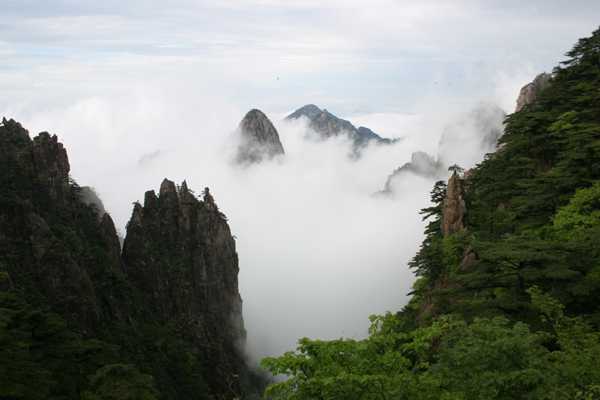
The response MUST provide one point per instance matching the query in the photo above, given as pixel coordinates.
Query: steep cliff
(453, 207)
(180, 255)
(505, 304)
(328, 125)
(259, 139)
(74, 311)
(53, 244)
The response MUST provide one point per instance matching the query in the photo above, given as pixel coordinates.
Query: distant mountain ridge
(328, 125)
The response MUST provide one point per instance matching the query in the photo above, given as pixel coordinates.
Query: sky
(353, 56)
(143, 90)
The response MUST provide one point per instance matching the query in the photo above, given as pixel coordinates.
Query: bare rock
(259, 139)
(453, 211)
(530, 92)
(179, 252)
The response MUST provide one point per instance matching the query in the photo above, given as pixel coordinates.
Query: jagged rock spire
(453, 212)
(179, 252)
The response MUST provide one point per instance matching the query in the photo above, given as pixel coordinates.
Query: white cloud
(120, 80)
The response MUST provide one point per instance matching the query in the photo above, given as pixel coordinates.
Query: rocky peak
(51, 164)
(179, 252)
(530, 92)
(453, 208)
(309, 111)
(328, 125)
(259, 139)
(63, 245)
(174, 282)
(421, 163)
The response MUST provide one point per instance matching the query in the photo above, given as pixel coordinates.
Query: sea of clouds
(318, 252)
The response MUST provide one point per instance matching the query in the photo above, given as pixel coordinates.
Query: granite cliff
(166, 310)
(327, 125)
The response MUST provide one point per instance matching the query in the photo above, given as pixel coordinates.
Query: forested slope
(506, 301)
(78, 319)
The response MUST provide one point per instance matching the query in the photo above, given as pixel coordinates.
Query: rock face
(41, 247)
(181, 256)
(328, 125)
(530, 92)
(421, 164)
(259, 139)
(453, 209)
(169, 301)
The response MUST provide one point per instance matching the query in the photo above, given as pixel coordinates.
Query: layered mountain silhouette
(328, 125)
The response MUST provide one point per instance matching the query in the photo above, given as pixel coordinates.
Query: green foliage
(382, 366)
(69, 321)
(120, 382)
(521, 318)
(581, 217)
(40, 357)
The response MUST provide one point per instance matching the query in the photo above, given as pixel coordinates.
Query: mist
(318, 252)
(147, 92)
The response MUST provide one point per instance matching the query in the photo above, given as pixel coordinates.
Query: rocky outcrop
(259, 139)
(51, 243)
(327, 125)
(169, 302)
(530, 92)
(453, 207)
(180, 254)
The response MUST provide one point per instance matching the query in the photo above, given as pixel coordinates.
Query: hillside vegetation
(505, 305)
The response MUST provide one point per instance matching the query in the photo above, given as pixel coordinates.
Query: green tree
(120, 382)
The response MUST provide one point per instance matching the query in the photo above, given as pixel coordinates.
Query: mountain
(421, 164)
(328, 125)
(259, 139)
(505, 301)
(79, 318)
(463, 142)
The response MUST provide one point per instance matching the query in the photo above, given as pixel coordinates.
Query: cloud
(119, 81)
(318, 254)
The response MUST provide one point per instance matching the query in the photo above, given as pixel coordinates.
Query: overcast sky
(350, 56)
(143, 90)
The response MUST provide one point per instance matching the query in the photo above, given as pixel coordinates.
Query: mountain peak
(327, 125)
(310, 111)
(259, 138)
